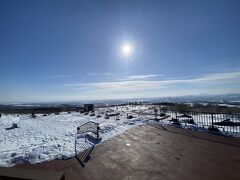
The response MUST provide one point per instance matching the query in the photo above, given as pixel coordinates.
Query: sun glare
(127, 50)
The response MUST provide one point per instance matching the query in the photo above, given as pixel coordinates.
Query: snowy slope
(49, 137)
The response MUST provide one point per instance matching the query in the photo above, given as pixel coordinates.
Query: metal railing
(226, 123)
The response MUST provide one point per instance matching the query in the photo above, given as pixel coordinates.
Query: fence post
(98, 132)
(212, 120)
(155, 111)
(75, 147)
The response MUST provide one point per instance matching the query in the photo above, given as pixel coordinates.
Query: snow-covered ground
(44, 138)
(49, 137)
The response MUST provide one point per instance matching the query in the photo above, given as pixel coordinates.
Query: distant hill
(231, 99)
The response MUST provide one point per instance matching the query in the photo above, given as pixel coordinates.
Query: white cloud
(135, 82)
(216, 78)
(143, 86)
(139, 77)
(118, 85)
(57, 76)
(217, 83)
(99, 74)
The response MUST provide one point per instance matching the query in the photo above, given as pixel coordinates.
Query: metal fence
(226, 123)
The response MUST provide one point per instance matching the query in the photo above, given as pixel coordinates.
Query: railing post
(212, 120)
(75, 147)
(98, 132)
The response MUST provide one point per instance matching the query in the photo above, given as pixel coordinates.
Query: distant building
(88, 107)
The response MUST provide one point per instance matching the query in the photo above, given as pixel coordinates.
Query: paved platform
(150, 152)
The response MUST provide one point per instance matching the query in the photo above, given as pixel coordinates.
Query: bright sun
(127, 50)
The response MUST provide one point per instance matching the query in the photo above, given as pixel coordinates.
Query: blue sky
(72, 50)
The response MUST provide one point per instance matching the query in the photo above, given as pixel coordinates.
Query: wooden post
(212, 120)
(155, 110)
(98, 132)
(75, 147)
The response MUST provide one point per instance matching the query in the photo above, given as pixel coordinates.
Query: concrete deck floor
(149, 152)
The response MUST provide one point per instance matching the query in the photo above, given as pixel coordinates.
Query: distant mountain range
(225, 98)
